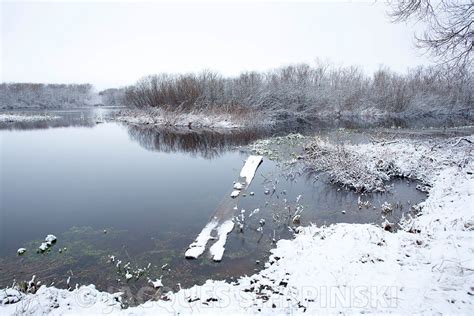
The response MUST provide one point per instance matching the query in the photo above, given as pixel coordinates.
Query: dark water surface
(152, 191)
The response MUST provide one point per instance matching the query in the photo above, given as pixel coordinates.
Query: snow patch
(10, 296)
(21, 251)
(156, 284)
(10, 118)
(246, 174)
(249, 169)
(43, 247)
(235, 193)
(50, 239)
(238, 186)
(50, 300)
(199, 245)
(195, 120)
(217, 249)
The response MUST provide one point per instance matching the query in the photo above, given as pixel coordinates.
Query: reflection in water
(204, 143)
(211, 143)
(87, 117)
(191, 141)
(314, 124)
(152, 205)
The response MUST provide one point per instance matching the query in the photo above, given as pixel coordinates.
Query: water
(152, 191)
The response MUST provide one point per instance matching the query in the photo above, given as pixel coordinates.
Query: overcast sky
(113, 44)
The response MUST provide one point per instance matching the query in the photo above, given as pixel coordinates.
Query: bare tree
(306, 91)
(449, 34)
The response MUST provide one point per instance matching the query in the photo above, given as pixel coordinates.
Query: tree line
(45, 96)
(309, 90)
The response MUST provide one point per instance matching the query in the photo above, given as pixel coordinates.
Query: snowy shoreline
(265, 121)
(425, 267)
(22, 117)
(192, 120)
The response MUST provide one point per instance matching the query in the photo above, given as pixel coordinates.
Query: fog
(113, 44)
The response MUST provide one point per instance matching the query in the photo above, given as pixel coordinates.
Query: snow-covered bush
(310, 91)
(346, 167)
(366, 167)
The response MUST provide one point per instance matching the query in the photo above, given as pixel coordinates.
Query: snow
(255, 211)
(296, 219)
(49, 241)
(156, 284)
(247, 173)
(26, 117)
(217, 249)
(45, 96)
(199, 245)
(249, 169)
(50, 238)
(85, 299)
(386, 207)
(234, 193)
(238, 186)
(21, 251)
(195, 120)
(43, 247)
(367, 167)
(425, 267)
(10, 296)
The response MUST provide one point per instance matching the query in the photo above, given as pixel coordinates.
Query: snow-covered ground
(180, 119)
(26, 117)
(367, 167)
(426, 266)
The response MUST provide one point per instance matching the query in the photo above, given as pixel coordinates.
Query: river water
(142, 195)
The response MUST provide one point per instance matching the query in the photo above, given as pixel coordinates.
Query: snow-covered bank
(367, 167)
(427, 266)
(194, 120)
(10, 118)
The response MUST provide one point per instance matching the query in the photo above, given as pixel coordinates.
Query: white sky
(112, 44)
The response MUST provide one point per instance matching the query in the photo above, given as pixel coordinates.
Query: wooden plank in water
(222, 217)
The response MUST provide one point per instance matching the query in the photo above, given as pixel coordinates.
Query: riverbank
(229, 120)
(192, 119)
(252, 119)
(24, 117)
(425, 266)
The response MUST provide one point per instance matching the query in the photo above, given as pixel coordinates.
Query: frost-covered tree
(303, 91)
(45, 96)
(449, 33)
